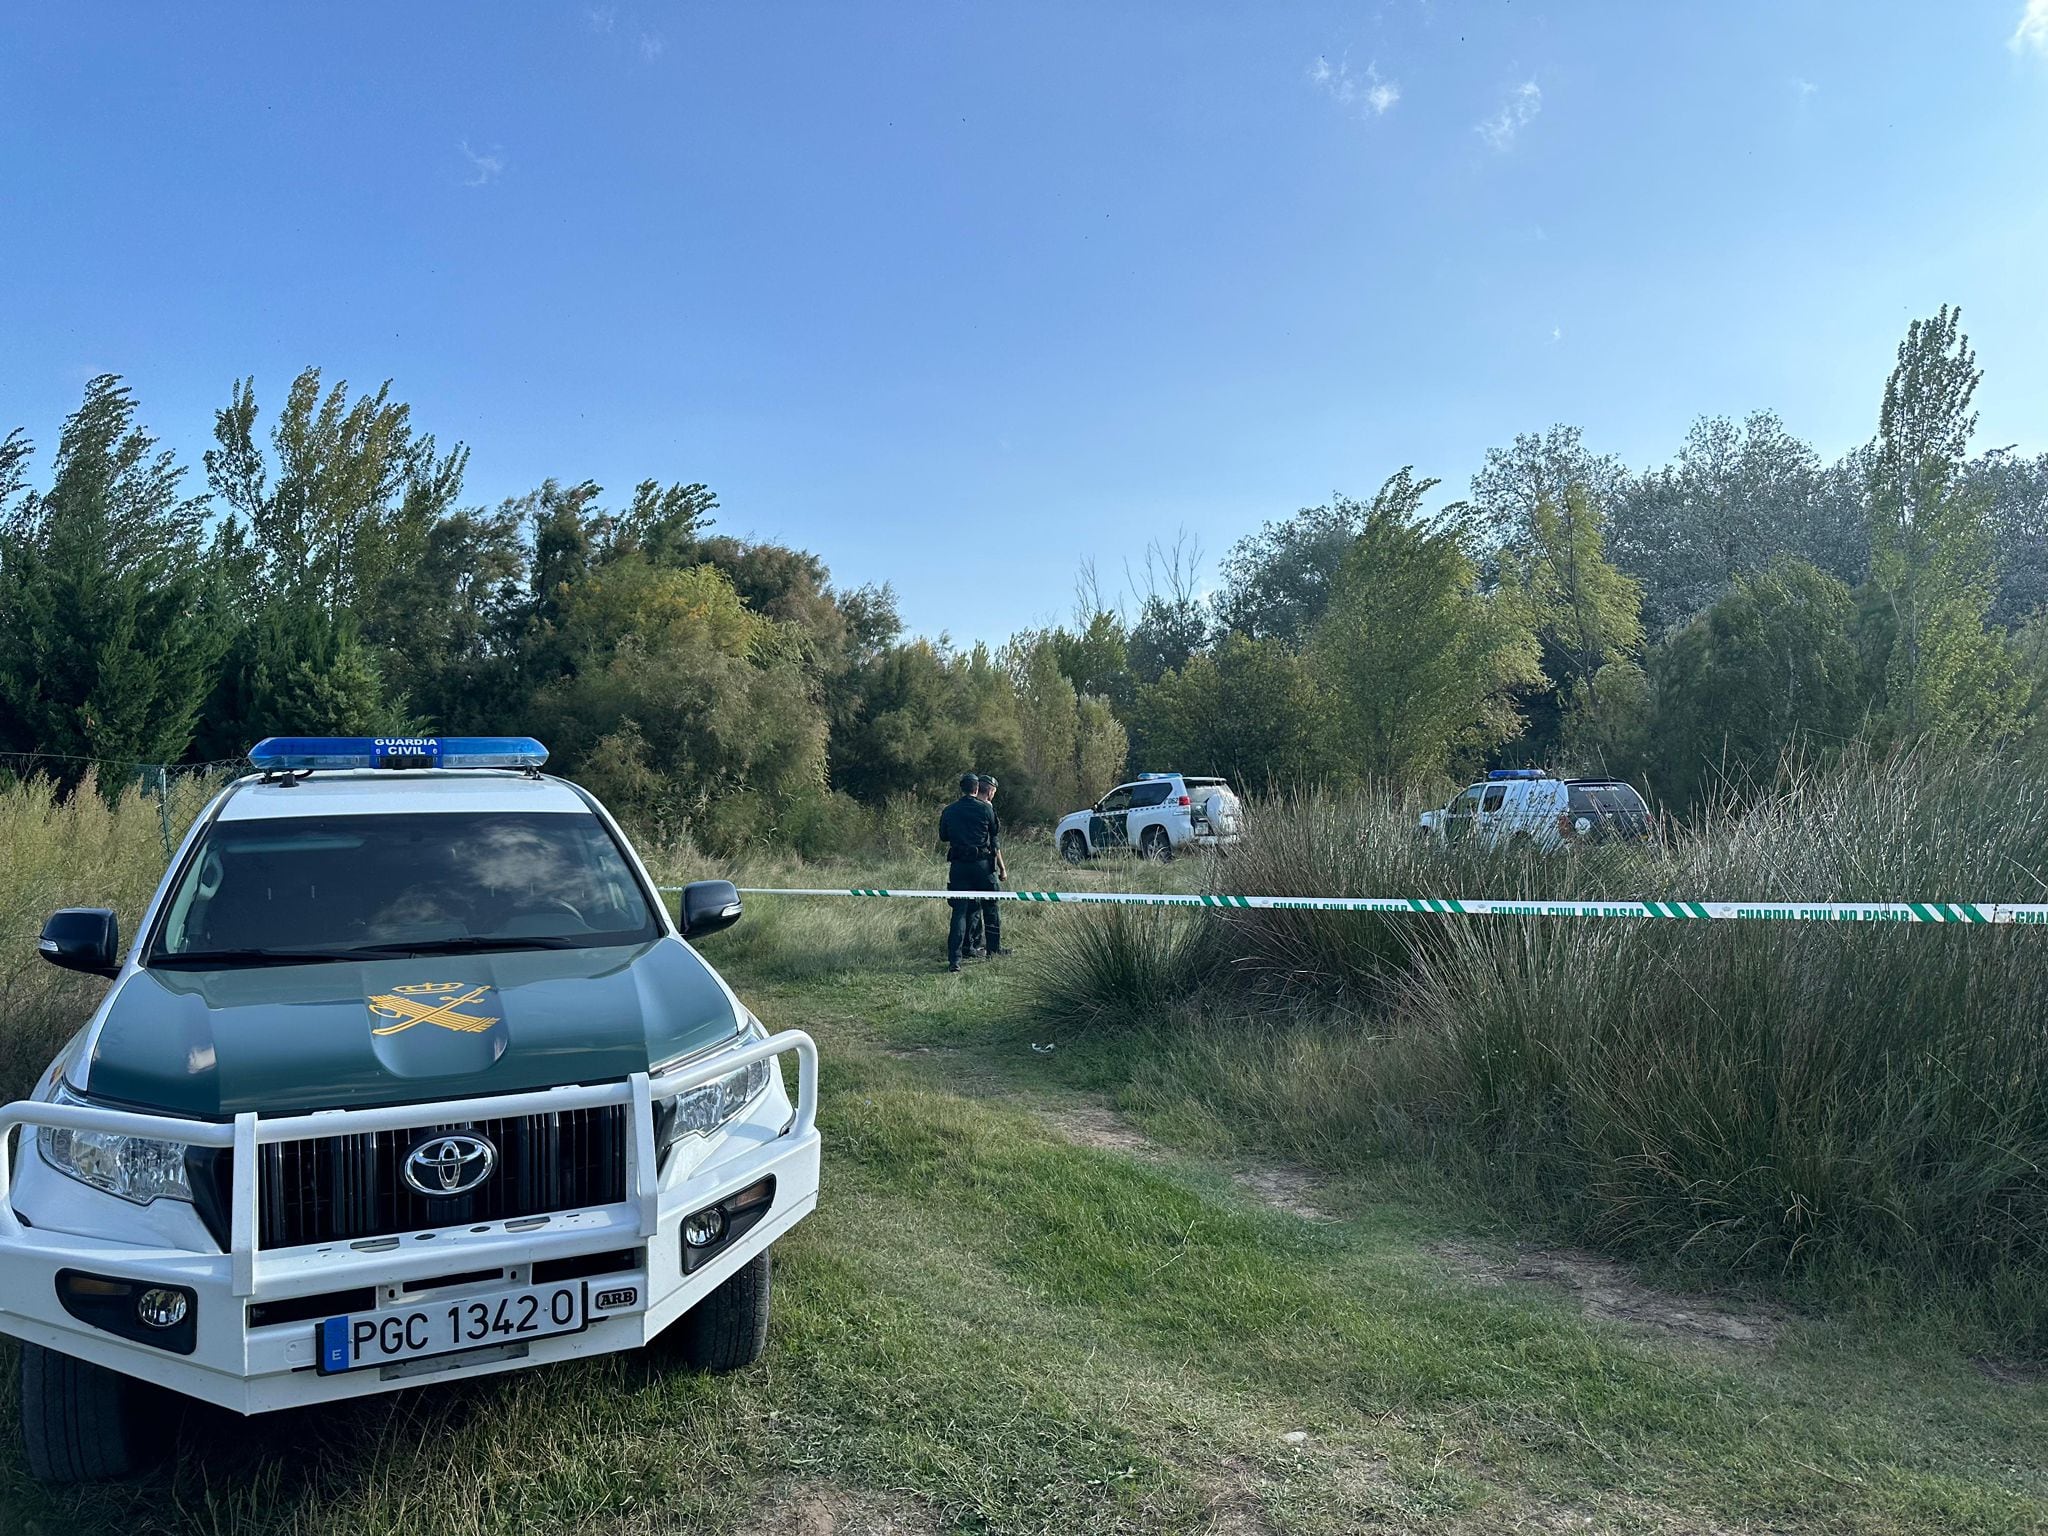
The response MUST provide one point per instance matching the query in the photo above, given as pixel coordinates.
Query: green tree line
(1687, 625)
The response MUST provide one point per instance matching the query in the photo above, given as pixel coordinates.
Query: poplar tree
(1932, 562)
(109, 631)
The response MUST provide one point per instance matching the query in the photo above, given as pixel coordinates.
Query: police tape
(1963, 912)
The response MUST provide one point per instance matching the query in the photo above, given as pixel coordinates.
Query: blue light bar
(1498, 774)
(277, 753)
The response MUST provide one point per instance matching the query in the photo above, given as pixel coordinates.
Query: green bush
(825, 824)
(1111, 965)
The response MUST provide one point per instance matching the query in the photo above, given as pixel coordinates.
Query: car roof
(391, 792)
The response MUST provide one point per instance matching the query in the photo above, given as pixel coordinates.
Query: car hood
(345, 1034)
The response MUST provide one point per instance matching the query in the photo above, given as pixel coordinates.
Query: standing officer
(991, 911)
(967, 831)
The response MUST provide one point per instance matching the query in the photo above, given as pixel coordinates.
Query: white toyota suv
(1157, 814)
(407, 1075)
(1527, 805)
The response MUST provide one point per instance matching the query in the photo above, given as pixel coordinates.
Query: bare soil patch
(1234, 1508)
(822, 1510)
(2012, 1373)
(1605, 1289)
(1285, 1188)
(1100, 1127)
(1279, 1185)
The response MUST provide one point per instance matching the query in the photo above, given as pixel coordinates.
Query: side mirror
(1430, 820)
(709, 905)
(82, 939)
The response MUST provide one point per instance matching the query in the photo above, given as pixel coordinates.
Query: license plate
(441, 1327)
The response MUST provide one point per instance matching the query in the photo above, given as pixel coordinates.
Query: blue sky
(961, 295)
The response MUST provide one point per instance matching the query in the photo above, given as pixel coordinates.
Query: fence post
(158, 778)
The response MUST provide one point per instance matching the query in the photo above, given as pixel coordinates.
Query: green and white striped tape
(1964, 912)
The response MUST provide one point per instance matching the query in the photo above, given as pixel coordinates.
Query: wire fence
(159, 781)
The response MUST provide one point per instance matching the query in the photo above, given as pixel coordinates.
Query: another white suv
(1157, 814)
(1527, 805)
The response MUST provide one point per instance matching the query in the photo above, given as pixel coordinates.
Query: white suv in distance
(1516, 805)
(1157, 814)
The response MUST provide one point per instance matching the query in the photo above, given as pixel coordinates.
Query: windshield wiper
(480, 944)
(226, 959)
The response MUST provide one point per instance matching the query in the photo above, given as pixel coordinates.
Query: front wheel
(1074, 848)
(82, 1423)
(728, 1329)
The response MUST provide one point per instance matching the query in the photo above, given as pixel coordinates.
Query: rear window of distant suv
(1609, 802)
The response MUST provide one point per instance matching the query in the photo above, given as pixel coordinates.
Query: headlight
(137, 1168)
(703, 1109)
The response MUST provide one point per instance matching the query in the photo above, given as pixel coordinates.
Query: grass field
(1043, 1293)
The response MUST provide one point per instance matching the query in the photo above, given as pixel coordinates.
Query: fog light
(704, 1228)
(160, 1308)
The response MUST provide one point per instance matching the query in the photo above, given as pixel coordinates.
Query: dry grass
(75, 851)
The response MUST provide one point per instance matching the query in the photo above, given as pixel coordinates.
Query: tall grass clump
(1846, 1106)
(1111, 966)
(68, 850)
(1322, 843)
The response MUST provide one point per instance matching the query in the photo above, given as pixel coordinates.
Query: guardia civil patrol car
(406, 1076)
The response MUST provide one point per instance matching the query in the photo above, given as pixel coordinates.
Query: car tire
(82, 1423)
(728, 1329)
(1155, 845)
(1074, 848)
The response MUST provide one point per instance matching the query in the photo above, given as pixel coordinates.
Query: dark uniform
(967, 828)
(979, 941)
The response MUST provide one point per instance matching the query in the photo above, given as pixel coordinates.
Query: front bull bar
(247, 1132)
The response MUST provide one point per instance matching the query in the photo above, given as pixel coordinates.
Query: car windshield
(341, 887)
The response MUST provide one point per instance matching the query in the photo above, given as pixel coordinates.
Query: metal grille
(342, 1187)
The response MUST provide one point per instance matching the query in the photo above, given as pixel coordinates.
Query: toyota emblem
(450, 1165)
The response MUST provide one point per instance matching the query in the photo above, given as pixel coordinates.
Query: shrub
(825, 823)
(1112, 965)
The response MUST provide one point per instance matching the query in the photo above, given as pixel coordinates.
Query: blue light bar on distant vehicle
(1498, 774)
(275, 754)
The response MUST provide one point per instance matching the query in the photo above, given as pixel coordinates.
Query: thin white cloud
(1515, 114)
(652, 46)
(1370, 92)
(602, 18)
(483, 168)
(2031, 35)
